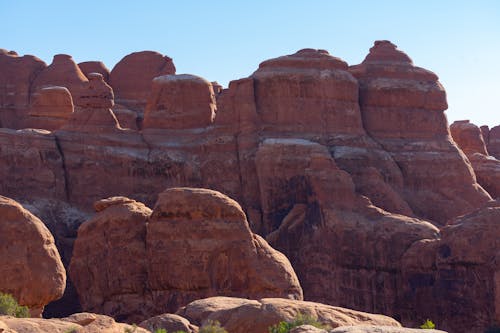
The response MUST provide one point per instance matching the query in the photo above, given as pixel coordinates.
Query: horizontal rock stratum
(348, 170)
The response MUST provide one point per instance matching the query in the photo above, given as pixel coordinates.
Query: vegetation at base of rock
(300, 319)
(428, 324)
(212, 327)
(10, 307)
(160, 330)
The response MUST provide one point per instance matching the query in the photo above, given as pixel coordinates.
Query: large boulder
(493, 142)
(468, 137)
(180, 102)
(131, 77)
(31, 267)
(51, 108)
(196, 244)
(238, 315)
(402, 107)
(89, 67)
(76, 323)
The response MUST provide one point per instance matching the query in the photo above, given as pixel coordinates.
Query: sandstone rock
(16, 77)
(32, 270)
(180, 102)
(309, 91)
(494, 141)
(109, 267)
(131, 77)
(170, 322)
(402, 107)
(487, 169)
(257, 316)
(89, 67)
(77, 323)
(307, 329)
(460, 270)
(64, 72)
(381, 329)
(195, 233)
(468, 137)
(127, 118)
(51, 108)
(98, 94)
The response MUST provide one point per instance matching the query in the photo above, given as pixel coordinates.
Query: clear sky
(225, 40)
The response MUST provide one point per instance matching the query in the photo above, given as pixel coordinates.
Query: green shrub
(428, 324)
(10, 307)
(160, 330)
(212, 327)
(300, 319)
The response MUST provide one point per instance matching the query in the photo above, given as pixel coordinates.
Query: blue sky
(226, 40)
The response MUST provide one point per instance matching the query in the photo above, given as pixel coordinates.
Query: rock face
(180, 102)
(64, 72)
(202, 233)
(238, 315)
(493, 141)
(487, 168)
(131, 77)
(78, 322)
(16, 78)
(32, 270)
(169, 322)
(51, 108)
(402, 107)
(89, 67)
(461, 271)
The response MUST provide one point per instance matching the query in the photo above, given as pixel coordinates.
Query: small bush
(10, 307)
(160, 330)
(212, 327)
(300, 319)
(428, 324)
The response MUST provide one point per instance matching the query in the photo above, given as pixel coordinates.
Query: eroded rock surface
(32, 271)
(203, 234)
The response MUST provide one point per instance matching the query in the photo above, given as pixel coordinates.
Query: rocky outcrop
(32, 271)
(170, 322)
(51, 107)
(77, 323)
(487, 168)
(203, 234)
(456, 279)
(63, 72)
(16, 79)
(131, 77)
(238, 315)
(89, 67)
(492, 139)
(402, 107)
(180, 102)
(381, 329)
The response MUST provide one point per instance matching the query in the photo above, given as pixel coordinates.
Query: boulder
(50, 109)
(170, 322)
(180, 102)
(89, 67)
(16, 78)
(468, 137)
(494, 141)
(76, 323)
(197, 243)
(402, 107)
(381, 329)
(131, 77)
(32, 271)
(242, 315)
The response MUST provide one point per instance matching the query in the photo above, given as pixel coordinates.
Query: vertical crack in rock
(65, 171)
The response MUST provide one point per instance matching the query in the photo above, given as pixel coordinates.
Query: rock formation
(131, 77)
(51, 107)
(239, 315)
(32, 271)
(487, 168)
(202, 233)
(341, 168)
(89, 67)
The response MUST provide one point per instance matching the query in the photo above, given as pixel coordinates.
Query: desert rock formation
(31, 268)
(195, 243)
